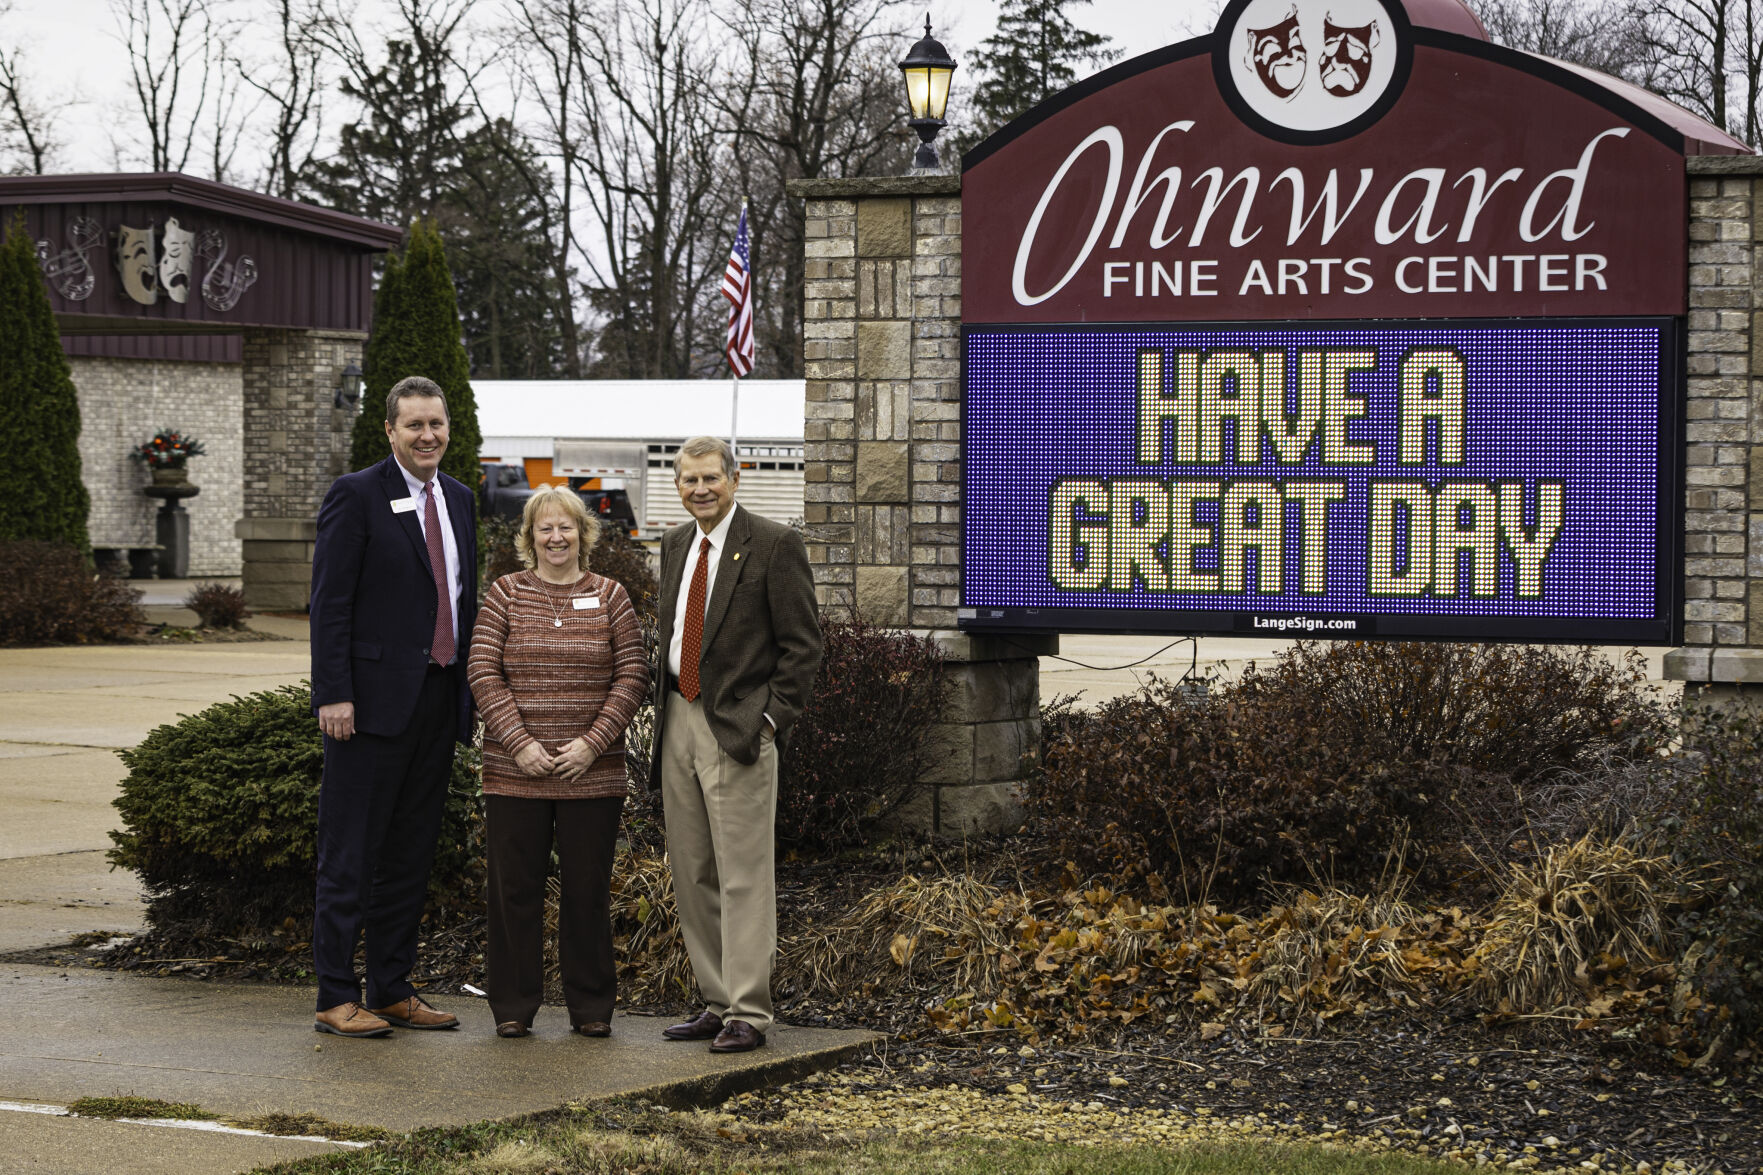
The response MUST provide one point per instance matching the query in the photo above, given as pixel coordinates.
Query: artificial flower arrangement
(168, 449)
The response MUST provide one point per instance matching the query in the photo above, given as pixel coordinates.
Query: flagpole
(734, 419)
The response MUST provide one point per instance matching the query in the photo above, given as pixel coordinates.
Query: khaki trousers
(720, 845)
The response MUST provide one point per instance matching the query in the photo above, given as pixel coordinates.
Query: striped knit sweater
(535, 680)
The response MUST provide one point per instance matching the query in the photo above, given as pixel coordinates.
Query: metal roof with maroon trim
(169, 254)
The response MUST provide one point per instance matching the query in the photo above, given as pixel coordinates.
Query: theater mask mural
(176, 254)
(135, 264)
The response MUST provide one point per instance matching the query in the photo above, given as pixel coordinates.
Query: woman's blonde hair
(561, 500)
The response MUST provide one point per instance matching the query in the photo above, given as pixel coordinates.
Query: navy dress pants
(379, 815)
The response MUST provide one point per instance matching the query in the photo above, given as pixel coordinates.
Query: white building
(626, 432)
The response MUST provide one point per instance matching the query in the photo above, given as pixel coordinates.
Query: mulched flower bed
(1531, 1093)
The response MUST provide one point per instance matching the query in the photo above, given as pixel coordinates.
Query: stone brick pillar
(882, 342)
(1723, 490)
(296, 443)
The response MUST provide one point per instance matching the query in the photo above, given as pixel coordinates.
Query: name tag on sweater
(581, 602)
(403, 505)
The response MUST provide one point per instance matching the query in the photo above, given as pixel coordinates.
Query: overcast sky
(74, 52)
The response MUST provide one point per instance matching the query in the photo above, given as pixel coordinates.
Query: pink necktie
(693, 636)
(441, 648)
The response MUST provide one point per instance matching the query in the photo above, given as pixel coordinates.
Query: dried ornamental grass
(1583, 911)
(955, 926)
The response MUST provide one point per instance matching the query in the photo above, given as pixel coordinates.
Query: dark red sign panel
(1469, 182)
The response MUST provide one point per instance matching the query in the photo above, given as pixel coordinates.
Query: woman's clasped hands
(569, 763)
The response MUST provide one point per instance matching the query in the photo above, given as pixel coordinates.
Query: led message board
(1348, 480)
(1314, 325)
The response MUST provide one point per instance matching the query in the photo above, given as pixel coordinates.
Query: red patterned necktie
(693, 636)
(441, 648)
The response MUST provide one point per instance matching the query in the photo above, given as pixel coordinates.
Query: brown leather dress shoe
(350, 1019)
(594, 1028)
(411, 1012)
(511, 1028)
(737, 1036)
(703, 1026)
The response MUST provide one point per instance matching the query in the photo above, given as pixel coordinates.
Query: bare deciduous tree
(291, 87)
(412, 83)
(27, 128)
(818, 96)
(1603, 36)
(648, 170)
(544, 48)
(171, 47)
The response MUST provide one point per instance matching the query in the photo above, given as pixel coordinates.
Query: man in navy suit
(394, 595)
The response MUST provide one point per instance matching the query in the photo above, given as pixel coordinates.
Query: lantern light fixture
(348, 392)
(928, 68)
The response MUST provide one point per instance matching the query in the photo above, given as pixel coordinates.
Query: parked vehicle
(612, 506)
(504, 491)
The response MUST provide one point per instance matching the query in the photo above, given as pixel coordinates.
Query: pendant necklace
(556, 613)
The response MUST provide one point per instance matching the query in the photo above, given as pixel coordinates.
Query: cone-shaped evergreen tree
(416, 332)
(41, 494)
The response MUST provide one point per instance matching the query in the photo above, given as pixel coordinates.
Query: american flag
(739, 292)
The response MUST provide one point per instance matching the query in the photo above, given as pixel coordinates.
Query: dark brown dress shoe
(511, 1028)
(703, 1026)
(594, 1028)
(411, 1012)
(737, 1036)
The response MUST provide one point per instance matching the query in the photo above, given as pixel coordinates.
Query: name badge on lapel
(403, 505)
(582, 602)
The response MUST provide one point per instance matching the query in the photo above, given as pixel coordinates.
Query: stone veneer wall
(882, 342)
(123, 402)
(296, 443)
(1723, 477)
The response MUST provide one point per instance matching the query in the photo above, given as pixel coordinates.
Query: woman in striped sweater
(558, 669)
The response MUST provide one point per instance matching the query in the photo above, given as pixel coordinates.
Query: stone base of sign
(278, 562)
(989, 738)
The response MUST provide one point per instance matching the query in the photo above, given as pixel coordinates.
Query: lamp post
(928, 68)
(349, 391)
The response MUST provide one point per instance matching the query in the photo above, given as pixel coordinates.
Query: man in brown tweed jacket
(740, 644)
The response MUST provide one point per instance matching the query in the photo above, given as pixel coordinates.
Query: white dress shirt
(449, 544)
(717, 537)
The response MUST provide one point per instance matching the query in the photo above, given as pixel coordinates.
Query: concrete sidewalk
(237, 1050)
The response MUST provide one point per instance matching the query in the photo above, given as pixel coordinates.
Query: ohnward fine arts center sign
(1335, 322)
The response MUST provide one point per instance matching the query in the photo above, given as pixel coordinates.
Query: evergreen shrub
(416, 331)
(50, 596)
(860, 746)
(220, 818)
(41, 493)
(1333, 761)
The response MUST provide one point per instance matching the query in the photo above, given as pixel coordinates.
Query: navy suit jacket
(374, 600)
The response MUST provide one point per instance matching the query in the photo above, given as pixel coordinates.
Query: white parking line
(174, 1123)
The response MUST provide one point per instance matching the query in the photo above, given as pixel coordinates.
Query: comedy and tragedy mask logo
(169, 271)
(135, 264)
(177, 247)
(1345, 64)
(1299, 69)
(1279, 59)
(1277, 56)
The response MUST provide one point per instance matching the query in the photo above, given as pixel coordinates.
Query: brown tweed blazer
(761, 634)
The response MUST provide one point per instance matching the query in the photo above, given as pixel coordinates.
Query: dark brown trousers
(521, 833)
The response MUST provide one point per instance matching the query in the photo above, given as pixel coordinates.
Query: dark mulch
(1407, 1078)
(171, 634)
